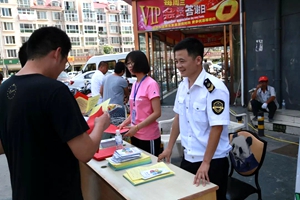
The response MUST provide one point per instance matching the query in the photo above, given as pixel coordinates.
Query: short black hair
(102, 63)
(23, 54)
(46, 39)
(141, 64)
(120, 67)
(193, 46)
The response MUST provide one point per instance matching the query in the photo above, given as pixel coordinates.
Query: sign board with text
(173, 14)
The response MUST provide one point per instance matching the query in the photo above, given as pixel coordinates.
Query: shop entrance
(222, 44)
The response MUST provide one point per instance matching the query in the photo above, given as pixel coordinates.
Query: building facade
(273, 47)
(90, 26)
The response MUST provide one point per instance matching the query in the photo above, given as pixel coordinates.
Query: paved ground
(277, 175)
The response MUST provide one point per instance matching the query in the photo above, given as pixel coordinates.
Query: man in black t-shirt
(42, 132)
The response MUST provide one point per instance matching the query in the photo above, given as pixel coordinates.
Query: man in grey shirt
(115, 86)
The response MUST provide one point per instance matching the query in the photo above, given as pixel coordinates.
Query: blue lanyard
(136, 89)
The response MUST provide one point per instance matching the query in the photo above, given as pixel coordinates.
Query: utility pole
(2, 54)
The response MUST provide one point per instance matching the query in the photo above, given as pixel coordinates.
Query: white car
(79, 80)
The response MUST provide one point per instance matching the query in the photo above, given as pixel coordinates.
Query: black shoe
(254, 119)
(271, 120)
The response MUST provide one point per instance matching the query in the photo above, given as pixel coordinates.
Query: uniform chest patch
(208, 84)
(218, 106)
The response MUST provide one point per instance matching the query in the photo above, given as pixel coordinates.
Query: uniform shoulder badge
(217, 106)
(208, 84)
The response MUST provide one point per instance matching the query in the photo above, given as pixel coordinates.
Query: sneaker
(254, 119)
(271, 120)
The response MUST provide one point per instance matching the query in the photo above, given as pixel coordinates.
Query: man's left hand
(264, 106)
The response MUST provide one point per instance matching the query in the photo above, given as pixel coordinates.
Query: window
(55, 3)
(102, 40)
(128, 49)
(89, 16)
(125, 18)
(118, 50)
(27, 28)
(87, 6)
(90, 29)
(101, 18)
(72, 29)
(6, 12)
(58, 26)
(71, 16)
(11, 53)
(56, 16)
(25, 11)
(42, 25)
(127, 40)
(69, 5)
(114, 29)
(8, 26)
(40, 2)
(102, 30)
(126, 30)
(73, 51)
(23, 4)
(115, 40)
(3, 1)
(113, 18)
(41, 14)
(24, 39)
(112, 7)
(10, 40)
(124, 7)
(90, 41)
(75, 41)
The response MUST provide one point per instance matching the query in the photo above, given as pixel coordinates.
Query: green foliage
(108, 49)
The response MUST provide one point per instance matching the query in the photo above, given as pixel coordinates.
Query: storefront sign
(173, 14)
(211, 39)
(9, 62)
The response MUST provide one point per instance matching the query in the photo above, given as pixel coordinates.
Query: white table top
(175, 187)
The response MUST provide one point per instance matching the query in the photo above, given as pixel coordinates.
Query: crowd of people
(43, 133)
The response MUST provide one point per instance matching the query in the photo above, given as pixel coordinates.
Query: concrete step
(287, 121)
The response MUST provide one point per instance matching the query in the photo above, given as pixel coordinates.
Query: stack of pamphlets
(140, 175)
(126, 154)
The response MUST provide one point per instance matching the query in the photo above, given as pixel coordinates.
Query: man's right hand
(103, 120)
(166, 154)
(258, 86)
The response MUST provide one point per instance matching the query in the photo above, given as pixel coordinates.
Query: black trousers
(217, 173)
(151, 146)
(256, 106)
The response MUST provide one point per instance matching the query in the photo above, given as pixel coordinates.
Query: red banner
(211, 39)
(172, 14)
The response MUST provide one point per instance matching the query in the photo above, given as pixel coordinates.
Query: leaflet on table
(143, 160)
(85, 103)
(126, 154)
(140, 175)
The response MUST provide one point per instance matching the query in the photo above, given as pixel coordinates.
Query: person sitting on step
(264, 98)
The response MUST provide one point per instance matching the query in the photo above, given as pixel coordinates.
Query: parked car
(79, 80)
(72, 74)
(64, 77)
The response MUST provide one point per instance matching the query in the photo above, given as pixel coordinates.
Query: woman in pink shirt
(145, 106)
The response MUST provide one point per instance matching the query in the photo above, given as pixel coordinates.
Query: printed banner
(170, 14)
(211, 39)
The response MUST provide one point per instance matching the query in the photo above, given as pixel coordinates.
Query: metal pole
(242, 53)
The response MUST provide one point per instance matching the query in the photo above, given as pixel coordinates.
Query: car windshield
(63, 75)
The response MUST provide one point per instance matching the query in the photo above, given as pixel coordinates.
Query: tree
(108, 49)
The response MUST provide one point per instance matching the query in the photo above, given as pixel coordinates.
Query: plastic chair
(246, 158)
(166, 137)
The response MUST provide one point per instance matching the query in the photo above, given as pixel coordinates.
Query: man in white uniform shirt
(97, 79)
(264, 98)
(202, 119)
